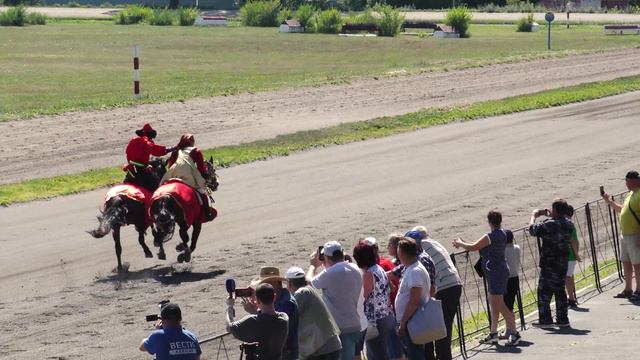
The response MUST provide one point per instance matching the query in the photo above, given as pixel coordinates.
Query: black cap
(633, 175)
(171, 311)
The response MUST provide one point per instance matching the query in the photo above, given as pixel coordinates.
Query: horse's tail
(108, 217)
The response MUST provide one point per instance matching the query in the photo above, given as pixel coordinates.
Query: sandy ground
(61, 300)
(85, 140)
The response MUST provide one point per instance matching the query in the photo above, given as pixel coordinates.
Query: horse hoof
(162, 256)
(180, 247)
(148, 254)
(184, 257)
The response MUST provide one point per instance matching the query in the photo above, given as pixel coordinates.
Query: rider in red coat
(138, 151)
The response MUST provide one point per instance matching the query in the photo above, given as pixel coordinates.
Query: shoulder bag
(427, 323)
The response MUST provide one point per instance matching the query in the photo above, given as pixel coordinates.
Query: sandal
(635, 295)
(625, 294)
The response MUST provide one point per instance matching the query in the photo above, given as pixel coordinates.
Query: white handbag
(427, 323)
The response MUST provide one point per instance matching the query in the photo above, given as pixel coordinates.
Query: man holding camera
(341, 283)
(170, 341)
(318, 333)
(630, 230)
(268, 327)
(555, 234)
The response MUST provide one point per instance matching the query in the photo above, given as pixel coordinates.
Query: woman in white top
(413, 291)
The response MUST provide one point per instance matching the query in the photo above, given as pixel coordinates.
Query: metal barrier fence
(219, 347)
(597, 228)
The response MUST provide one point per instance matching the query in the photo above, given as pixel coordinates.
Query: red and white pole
(136, 74)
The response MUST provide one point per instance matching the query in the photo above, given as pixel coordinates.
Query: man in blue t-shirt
(170, 341)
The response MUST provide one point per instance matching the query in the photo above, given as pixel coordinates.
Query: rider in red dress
(138, 151)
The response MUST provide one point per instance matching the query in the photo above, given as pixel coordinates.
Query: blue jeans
(377, 347)
(349, 341)
(414, 351)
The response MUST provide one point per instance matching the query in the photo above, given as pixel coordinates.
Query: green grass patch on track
(284, 145)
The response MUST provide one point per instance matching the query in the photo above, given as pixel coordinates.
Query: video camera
(156, 317)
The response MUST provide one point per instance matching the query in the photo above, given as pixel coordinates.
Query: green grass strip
(284, 145)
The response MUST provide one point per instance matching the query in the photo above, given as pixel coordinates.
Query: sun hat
(267, 273)
(295, 273)
(331, 247)
(146, 129)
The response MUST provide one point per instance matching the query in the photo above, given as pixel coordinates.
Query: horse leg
(147, 252)
(197, 227)
(184, 236)
(161, 254)
(184, 246)
(116, 239)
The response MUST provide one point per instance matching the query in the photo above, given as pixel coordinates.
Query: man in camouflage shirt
(555, 234)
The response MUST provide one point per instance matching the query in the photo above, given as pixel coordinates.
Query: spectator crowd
(352, 304)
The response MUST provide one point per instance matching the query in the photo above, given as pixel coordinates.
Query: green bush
(260, 13)
(525, 24)
(329, 21)
(292, 4)
(305, 14)
(73, 4)
(285, 14)
(35, 18)
(163, 17)
(390, 20)
(187, 16)
(365, 17)
(106, 5)
(459, 18)
(15, 16)
(134, 15)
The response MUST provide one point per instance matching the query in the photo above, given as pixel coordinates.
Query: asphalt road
(60, 299)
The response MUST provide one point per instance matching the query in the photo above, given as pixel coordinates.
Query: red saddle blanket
(133, 192)
(186, 196)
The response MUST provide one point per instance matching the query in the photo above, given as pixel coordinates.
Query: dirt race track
(69, 143)
(61, 300)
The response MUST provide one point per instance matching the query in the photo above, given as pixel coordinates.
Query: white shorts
(629, 249)
(571, 267)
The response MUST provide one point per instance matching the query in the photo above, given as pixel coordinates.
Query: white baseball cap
(331, 247)
(295, 273)
(371, 241)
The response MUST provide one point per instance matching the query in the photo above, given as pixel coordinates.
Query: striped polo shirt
(446, 273)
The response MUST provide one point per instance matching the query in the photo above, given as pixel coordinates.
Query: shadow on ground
(501, 348)
(167, 275)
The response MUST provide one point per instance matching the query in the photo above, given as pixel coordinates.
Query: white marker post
(136, 74)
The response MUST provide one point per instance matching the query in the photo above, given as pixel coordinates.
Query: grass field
(67, 66)
(284, 145)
